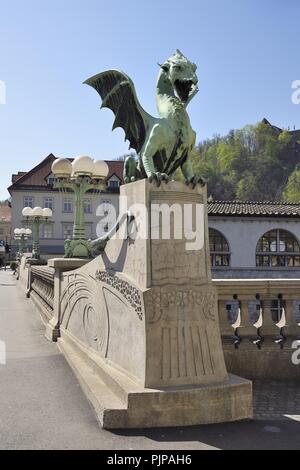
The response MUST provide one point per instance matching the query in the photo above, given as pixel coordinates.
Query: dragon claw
(151, 177)
(158, 178)
(195, 180)
(129, 180)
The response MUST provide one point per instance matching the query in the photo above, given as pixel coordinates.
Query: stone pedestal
(139, 324)
(59, 265)
(22, 270)
(36, 262)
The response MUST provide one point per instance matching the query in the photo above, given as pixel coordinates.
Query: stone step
(230, 400)
(119, 382)
(108, 407)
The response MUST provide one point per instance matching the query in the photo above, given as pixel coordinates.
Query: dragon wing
(118, 94)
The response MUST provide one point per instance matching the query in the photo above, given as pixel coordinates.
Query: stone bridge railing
(259, 309)
(260, 324)
(259, 319)
(41, 290)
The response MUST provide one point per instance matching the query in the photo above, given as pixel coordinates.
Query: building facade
(247, 239)
(5, 223)
(35, 188)
(254, 239)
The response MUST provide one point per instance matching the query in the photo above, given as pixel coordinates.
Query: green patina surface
(163, 144)
(79, 247)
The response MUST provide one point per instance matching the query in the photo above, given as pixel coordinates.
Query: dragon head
(182, 75)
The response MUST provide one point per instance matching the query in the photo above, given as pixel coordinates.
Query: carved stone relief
(129, 292)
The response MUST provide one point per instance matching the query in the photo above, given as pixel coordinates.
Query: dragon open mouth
(183, 89)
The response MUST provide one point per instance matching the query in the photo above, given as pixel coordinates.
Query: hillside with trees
(258, 163)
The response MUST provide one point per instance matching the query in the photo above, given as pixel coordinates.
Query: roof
(295, 134)
(253, 209)
(18, 176)
(37, 177)
(5, 213)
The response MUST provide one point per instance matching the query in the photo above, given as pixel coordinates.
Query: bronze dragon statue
(163, 144)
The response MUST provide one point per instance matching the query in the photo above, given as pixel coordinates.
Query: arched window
(278, 249)
(219, 249)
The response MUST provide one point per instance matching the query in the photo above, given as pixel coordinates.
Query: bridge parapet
(260, 326)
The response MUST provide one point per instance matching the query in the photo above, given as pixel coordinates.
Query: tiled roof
(15, 178)
(253, 209)
(37, 177)
(5, 213)
(116, 167)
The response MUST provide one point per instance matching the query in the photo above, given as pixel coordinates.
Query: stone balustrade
(41, 290)
(268, 307)
(260, 323)
(259, 319)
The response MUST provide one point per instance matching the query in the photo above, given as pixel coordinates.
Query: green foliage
(292, 190)
(253, 163)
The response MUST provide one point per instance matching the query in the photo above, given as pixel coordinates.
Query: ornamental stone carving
(129, 292)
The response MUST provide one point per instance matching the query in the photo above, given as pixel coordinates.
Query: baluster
(225, 327)
(53, 327)
(258, 341)
(269, 328)
(291, 328)
(236, 325)
(246, 329)
(280, 340)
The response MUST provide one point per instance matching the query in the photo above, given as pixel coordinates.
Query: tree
(252, 163)
(292, 190)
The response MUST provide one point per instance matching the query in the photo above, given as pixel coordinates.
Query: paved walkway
(42, 405)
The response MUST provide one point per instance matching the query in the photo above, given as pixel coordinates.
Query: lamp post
(81, 176)
(35, 218)
(21, 236)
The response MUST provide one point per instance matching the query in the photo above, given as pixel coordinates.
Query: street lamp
(21, 236)
(81, 176)
(35, 218)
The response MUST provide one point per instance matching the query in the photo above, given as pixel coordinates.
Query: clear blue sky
(247, 52)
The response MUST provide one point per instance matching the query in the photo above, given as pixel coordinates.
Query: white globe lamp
(62, 168)
(83, 166)
(27, 212)
(101, 169)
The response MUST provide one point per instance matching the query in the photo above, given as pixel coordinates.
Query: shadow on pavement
(256, 435)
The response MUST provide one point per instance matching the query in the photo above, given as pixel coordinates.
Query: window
(51, 180)
(48, 203)
(68, 205)
(114, 184)
(87, 206)
(278, 249)
(48, 231)
(29, 202)
(219, 249)
(67, 231)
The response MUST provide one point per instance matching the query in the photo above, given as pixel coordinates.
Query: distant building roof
(5, 212)
(15, 178)
(253, 209)
(37, 177)
(295, 134)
